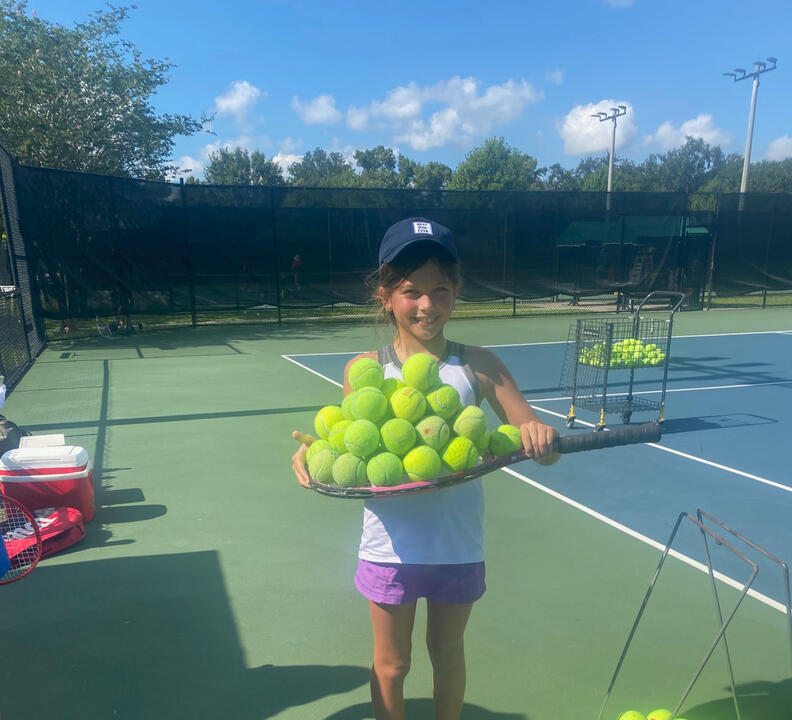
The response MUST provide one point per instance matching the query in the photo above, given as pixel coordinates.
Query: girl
(431, 544)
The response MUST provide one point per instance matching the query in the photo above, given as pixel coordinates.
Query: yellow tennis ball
(316, 446)
(384, 469)
(336, 436)
(661, 714)
(408, 403)
(365, 372)
(349, 471)
(422, 463)
(368, 403)
(505, 439)
(346, 406)
(444, 401)
(482, 443)
(631, 715)
(361, 438)
(320, 466)
(328, 416)
(390, 386)
(434, 432)
(460, 454)
(471, 423)
(398, 436)
(421, 372)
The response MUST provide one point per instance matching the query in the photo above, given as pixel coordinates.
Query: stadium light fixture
(759, 67)
(616, 112)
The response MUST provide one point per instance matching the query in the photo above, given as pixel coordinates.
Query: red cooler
(42, 477)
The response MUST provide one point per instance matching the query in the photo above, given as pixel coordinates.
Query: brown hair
(389, 276)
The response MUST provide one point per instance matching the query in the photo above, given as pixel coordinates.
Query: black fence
(121, 253)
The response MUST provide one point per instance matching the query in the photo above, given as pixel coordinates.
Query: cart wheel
(626, 417)
(599, 428)
(570, 422)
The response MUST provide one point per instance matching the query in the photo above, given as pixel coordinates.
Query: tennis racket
(21, 540)
(596, 440)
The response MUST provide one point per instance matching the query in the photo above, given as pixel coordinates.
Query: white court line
(703, 461)
(673, 390)
(643, 538)
(311, 370)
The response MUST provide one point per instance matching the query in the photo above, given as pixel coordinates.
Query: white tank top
(438, 527)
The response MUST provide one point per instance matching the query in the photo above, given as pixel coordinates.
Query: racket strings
(21, 537)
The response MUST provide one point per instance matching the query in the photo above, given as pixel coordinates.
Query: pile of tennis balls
(388, 432)
(661, 714)
(629, 353)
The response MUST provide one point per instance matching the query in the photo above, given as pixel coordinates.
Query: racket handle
(303, 438)
(630, 435)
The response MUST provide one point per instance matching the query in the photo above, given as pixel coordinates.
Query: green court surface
(211, 585)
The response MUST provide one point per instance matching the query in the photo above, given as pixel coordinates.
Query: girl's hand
(298, 459)
(539, 442)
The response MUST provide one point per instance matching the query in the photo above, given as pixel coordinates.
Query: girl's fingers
(303, 438)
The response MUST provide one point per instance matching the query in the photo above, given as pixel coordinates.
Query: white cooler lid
(59, 456)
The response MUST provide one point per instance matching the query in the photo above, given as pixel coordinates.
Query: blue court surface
(724, 449)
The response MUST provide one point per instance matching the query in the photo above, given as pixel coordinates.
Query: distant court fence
(90, 248)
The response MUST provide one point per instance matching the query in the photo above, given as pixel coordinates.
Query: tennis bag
(59, 528)
(10, 434)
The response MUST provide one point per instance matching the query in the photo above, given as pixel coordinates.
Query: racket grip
(630, 435)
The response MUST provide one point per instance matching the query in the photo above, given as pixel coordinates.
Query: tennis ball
(471, 423)
(320, 466)
(398, 436)
(505, 439)
(328, 416)
(316, 446)
(365, 372)
(434, 432)
(444, 401)
(422, 463)
(368, 403)
(361, 438)
(390, 386)
(482, 444)
(661, 714)
(384, 469)
(421, 372)
(349, 471)
(631, 715)
(460, 454)
(408, 403)
(336, 436)
(346, 406)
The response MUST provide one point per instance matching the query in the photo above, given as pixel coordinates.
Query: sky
(433, 80)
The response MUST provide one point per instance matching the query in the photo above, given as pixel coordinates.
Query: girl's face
(423, 302)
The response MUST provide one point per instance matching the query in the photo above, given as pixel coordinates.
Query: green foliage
(79, 98)
(432, 176)
(378, 167)
(239, 167)
(322, 169)
(496, 166)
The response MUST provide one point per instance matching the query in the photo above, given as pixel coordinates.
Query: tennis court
(210, 583)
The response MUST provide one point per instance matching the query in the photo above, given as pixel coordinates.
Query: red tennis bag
(60, 528)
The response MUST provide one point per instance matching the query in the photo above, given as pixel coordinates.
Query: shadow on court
(758, 701)
(423, 709)
(714, 422)
(142, 637)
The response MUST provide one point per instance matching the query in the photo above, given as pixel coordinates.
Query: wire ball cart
(602, 356)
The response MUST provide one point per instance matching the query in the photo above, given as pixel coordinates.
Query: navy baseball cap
(414, 230)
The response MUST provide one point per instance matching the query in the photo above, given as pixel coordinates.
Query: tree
(321, 169)
(79, 98)
(378, 167)
(239, 167)
(496, 166)
(684, 169)
(432, 176)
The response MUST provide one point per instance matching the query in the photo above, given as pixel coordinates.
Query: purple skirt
(397, 584)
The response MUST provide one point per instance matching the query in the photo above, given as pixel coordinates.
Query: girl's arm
(497, 386)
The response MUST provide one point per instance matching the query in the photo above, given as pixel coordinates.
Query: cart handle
(664, 293)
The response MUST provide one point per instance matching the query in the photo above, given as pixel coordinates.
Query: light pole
(602, 117)
(737, 75)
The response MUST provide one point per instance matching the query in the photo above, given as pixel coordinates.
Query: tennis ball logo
(408, 403)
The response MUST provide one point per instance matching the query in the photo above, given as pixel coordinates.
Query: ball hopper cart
(602, 356)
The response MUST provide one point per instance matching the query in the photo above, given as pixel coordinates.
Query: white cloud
(320, 110)
(285, 160)
(238, 99)
(584, 135)
(667, 137)
(459, 111)
(556, 77)
(779, 149)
